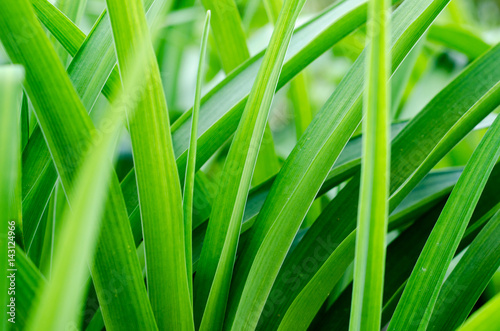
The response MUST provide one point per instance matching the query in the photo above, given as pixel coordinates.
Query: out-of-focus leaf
(486, 318)
(11, 79)
(68, 131)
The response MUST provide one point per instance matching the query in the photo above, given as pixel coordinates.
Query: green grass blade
(28, 282)
(468, 280)
(67, 130)
(267, 164)
(369, 262)
(62, 28)
(222, 107)
(302, 110)
(308, 165)
(53, 225)
(11, 79)
(298, 87)
(73, 9)
(25, 122)
(39, 177)
(191, 164)
(160, 197)
(298, 95)
(486, 318)
(412, 157)
(482, 213)
(412, 239)
(306, 306)
(308, 302)
(420, 294)
(218, 254)
(403, 252)
(59, 302)
(401, 78)
(231, 43)
(94, 56)
(89, 71)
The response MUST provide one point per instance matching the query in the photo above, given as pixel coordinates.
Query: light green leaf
(89, 71)
(219, 249)
(307, 167)
(486, 318)
(369, 262)
(59, 302)
(63, 29)
(158, 185)
(73, 9)
(191, 164)
(11, 79)
(421, 292)
(233, 51)
(414, 152)
(68, 131)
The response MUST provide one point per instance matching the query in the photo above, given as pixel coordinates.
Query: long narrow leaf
(11, 78)
(421, 292)
(486, 318)
(308, 165)
(59, 302)
(191, 164)
(73, 9)
(468, 280)
(91, 67)
(67, 131)
(414, 152)
(160, 197)
(233, 51)
(401, 257)
(373, 208)
(219, 249)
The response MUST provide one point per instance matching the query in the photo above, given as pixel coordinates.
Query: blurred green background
(436, 61)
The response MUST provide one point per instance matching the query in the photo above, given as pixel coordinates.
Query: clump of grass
(374, 206)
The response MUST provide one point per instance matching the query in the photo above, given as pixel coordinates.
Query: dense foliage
(248, 164)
